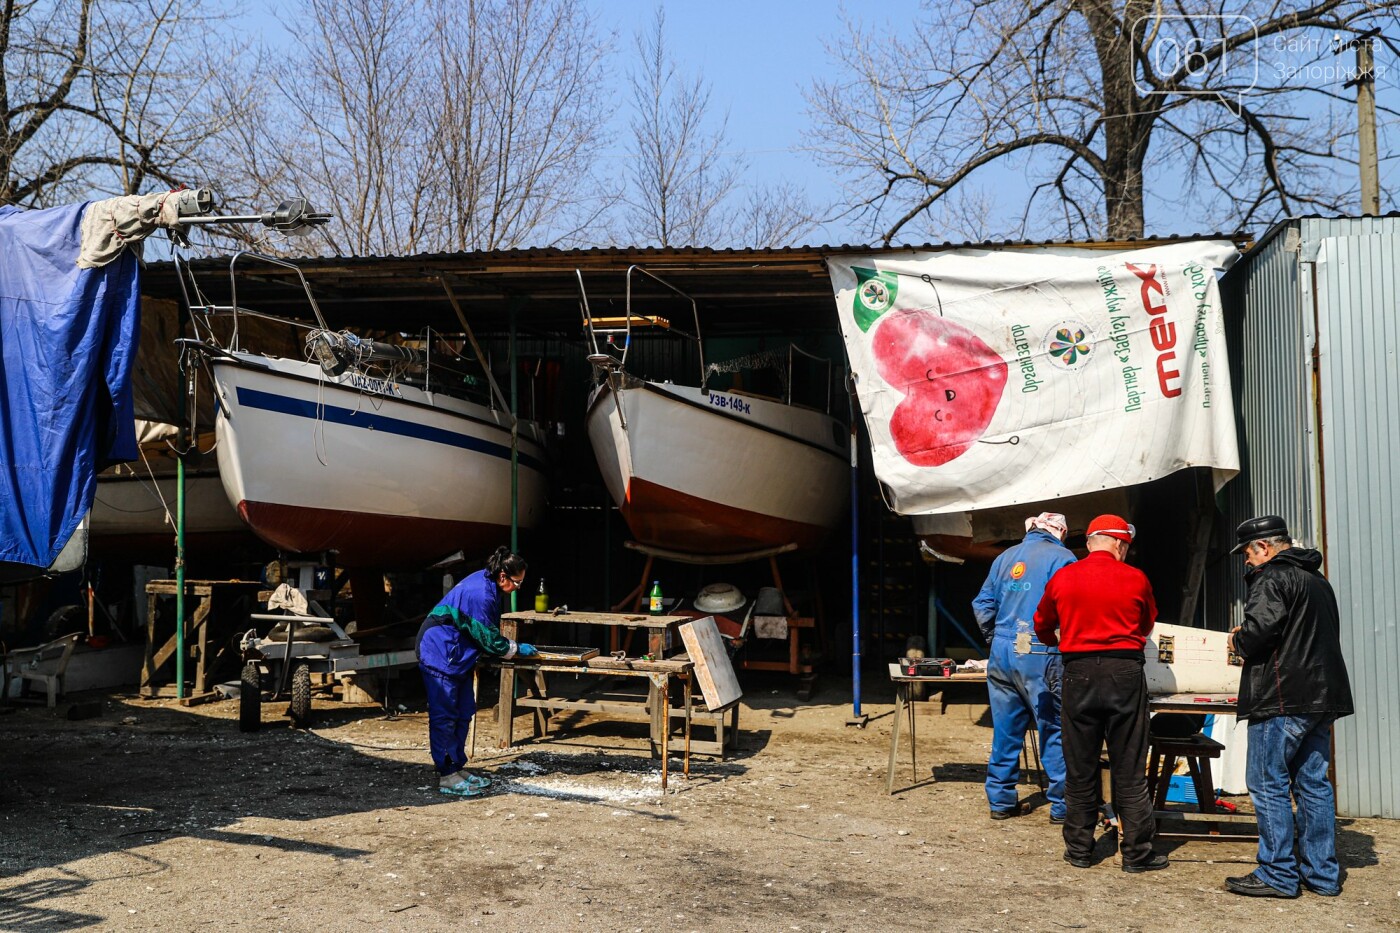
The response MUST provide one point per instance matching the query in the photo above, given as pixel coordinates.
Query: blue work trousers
(1023, 690)
(1287, 757)
(451, 706)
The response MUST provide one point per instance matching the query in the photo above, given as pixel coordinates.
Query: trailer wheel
(300, 710)
(250, 698)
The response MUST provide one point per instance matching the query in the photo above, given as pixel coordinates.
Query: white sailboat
(359, 453)
(702, 471)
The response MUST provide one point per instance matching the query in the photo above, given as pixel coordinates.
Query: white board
(1181, 659)
(718, 684)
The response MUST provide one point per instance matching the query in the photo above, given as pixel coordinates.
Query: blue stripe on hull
(371, 420)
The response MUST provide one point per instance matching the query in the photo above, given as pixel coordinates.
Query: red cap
(1112, 526)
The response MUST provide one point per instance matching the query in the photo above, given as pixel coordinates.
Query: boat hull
(385, 475)
(718, 473)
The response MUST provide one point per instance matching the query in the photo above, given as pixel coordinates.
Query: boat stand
(798, 664)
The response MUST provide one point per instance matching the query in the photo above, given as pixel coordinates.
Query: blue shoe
(457, 786)
(475, 780)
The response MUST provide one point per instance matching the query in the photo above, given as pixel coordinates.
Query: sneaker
(1056, 820)
(1008, 813)
(1078, 862)
(457, 786)
(1155, 863)
(475, 780)
(1251, 885)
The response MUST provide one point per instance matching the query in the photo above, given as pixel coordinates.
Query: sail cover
(67, 340)
(990, 378)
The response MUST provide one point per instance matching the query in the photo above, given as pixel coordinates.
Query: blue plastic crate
(1182, 789)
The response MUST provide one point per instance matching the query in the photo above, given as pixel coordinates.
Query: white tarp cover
(996, 377)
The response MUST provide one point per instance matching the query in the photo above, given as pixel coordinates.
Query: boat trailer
(285, 657)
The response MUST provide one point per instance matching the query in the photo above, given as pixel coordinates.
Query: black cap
(1265, 526)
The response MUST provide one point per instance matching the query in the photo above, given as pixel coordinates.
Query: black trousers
(1105, 700)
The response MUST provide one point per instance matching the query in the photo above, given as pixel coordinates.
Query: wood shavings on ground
(629, 790)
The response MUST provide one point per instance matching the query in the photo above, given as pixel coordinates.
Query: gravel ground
(157, 817)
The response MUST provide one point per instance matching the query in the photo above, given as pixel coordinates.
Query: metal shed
(1314, 336)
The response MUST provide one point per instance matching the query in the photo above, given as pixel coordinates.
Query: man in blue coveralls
(1023, 675)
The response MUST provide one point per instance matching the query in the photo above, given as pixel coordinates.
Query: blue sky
(759, 57)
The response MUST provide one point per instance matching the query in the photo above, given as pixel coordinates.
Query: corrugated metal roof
(739, 288)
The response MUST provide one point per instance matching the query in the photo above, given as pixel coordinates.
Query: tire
(300, 710)
(250, 698)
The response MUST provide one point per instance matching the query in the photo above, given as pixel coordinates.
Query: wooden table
(662, 638)
(659, 675)
(903, 683)
(217, 610)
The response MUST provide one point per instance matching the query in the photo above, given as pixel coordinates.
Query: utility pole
(1365, 81)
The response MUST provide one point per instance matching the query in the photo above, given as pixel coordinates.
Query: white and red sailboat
(702, 471)
(358, 453)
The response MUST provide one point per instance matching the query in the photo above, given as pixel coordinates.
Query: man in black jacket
(1293, 687)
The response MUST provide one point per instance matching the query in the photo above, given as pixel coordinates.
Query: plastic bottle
(542, 598)
(655, 607)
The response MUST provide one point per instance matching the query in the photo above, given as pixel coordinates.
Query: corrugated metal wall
(1323, 453)
(1360, 406)
(1270, 349)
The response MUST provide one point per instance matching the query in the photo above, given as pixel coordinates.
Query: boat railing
(609, 355)
(271, 260)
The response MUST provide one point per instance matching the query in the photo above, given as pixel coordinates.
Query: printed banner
(997, 377)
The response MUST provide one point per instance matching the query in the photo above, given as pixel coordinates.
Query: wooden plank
(565, 655)
(615, 619)
(638, 707)
(718, 683)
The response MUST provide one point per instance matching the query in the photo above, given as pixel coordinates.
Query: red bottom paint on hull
(365, 539)
(665, 518)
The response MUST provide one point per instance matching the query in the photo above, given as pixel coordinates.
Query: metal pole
(514, 447)
(185, 376)
(855, 561)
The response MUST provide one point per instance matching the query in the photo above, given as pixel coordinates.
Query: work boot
(1321, 893)
(457, 786)
(1009, 812)
(1154, 863)
(1078, 862)
(1251, 885)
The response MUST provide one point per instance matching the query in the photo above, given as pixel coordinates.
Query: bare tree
(434, 125)
(685, 189)
(1090, 100)
(98, 96)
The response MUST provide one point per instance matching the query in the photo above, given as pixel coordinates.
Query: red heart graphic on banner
(951, 379)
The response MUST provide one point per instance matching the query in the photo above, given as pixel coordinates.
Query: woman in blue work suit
(460, 628)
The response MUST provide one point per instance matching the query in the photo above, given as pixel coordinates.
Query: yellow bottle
(542, 598)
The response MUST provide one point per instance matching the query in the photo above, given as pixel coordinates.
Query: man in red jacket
(1103, 610)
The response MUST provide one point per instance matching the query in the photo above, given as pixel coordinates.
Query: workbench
(903, 683)
(217, 611)
(659, 671)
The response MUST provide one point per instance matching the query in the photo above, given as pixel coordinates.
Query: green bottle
(655, 607)
(542, 598)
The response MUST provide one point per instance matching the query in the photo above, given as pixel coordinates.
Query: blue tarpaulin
(67, 341)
